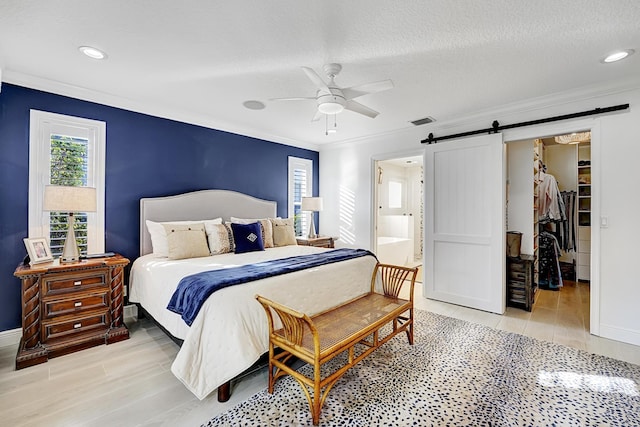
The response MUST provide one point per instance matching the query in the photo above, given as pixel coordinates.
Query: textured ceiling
(198, 61)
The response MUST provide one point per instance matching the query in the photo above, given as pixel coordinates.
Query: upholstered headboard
(203, 204)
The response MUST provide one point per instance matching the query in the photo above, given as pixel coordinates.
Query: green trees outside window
(69, 161)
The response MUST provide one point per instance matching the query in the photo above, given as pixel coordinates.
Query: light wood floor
(130, 384)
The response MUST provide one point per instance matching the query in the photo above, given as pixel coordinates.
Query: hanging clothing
(550, 204)
(567, 230)
(549, 273)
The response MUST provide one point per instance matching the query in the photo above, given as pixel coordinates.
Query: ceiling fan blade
(356, 91)
(298, 98)
(315, 78)
(317, 116)
(359, 108)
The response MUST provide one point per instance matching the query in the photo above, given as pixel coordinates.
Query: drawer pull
(77, 325)
(77, 283)
(78, 304)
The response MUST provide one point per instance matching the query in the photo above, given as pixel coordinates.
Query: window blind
(300, 179)
(69, 166)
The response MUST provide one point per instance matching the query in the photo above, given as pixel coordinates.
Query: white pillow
(159, 236)
(265, 225)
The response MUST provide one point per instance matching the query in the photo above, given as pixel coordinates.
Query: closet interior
(549, 209)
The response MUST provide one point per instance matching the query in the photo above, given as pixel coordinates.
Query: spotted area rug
(460, 374)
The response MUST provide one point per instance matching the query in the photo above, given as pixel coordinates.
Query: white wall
(520, 192)
(415, 177)
(562, 163)
(393, 173)
(346, 183)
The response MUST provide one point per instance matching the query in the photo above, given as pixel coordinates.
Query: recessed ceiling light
(617, 56)
(253, 105)
(92, 52)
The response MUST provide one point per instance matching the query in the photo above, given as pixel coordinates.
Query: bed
(230, 332)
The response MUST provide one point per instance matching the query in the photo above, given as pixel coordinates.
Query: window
(66, 150)
(300, 185)
(395, 195)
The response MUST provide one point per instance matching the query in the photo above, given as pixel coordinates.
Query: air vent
(423, 121)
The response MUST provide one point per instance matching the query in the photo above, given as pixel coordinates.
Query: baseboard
(130, 313)
(628, 336)
(10, 337)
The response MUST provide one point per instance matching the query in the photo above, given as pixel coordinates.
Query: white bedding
(231, 332)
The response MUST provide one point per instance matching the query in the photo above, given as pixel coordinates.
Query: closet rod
(495, 126)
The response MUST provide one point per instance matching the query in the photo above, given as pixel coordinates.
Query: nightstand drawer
(517, 275)
(73, 281)
(52, 330)
(59, 307)
(516, 266)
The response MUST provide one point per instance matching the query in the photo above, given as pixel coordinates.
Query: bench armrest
(293, 327)
(392, 278)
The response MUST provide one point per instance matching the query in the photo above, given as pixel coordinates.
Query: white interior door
(464, 222)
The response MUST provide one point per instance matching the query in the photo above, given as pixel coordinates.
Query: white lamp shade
(61, 198)
(313, 204)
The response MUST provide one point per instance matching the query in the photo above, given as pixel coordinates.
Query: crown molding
(470, 120)
(162, 111)
(484, 118)
(544, 102)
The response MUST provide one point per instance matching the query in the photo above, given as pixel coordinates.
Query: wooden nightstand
(320, 241)
(70, 307)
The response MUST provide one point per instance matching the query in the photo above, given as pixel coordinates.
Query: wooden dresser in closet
(521, 287)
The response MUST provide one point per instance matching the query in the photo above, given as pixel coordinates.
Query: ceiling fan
(332, 99)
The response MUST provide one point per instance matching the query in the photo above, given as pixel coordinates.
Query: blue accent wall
(146, 157)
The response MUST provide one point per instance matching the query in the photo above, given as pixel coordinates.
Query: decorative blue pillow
(247, 237)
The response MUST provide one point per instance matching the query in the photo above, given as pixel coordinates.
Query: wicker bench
(351, 328)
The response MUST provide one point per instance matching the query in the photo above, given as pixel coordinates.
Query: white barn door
(464, 218)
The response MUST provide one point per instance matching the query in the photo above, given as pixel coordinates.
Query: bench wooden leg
(317, 396)
(410, 330)
(271, 379)
(402, 321)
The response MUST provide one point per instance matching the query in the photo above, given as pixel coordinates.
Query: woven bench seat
(322, 337)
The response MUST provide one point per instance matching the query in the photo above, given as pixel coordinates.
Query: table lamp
(60, 198)
(312, 204)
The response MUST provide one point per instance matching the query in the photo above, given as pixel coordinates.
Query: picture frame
(38, 250)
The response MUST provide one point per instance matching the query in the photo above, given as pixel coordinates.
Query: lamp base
(70, 251)
(312, 229)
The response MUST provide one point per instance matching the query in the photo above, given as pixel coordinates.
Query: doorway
(550, 205)
(399, 209)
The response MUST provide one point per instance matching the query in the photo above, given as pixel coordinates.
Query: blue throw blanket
(193, 290)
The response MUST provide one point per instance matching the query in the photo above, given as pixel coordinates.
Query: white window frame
(307, 165)
(41, 125)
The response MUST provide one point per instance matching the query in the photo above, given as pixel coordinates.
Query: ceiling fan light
(330, 107)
